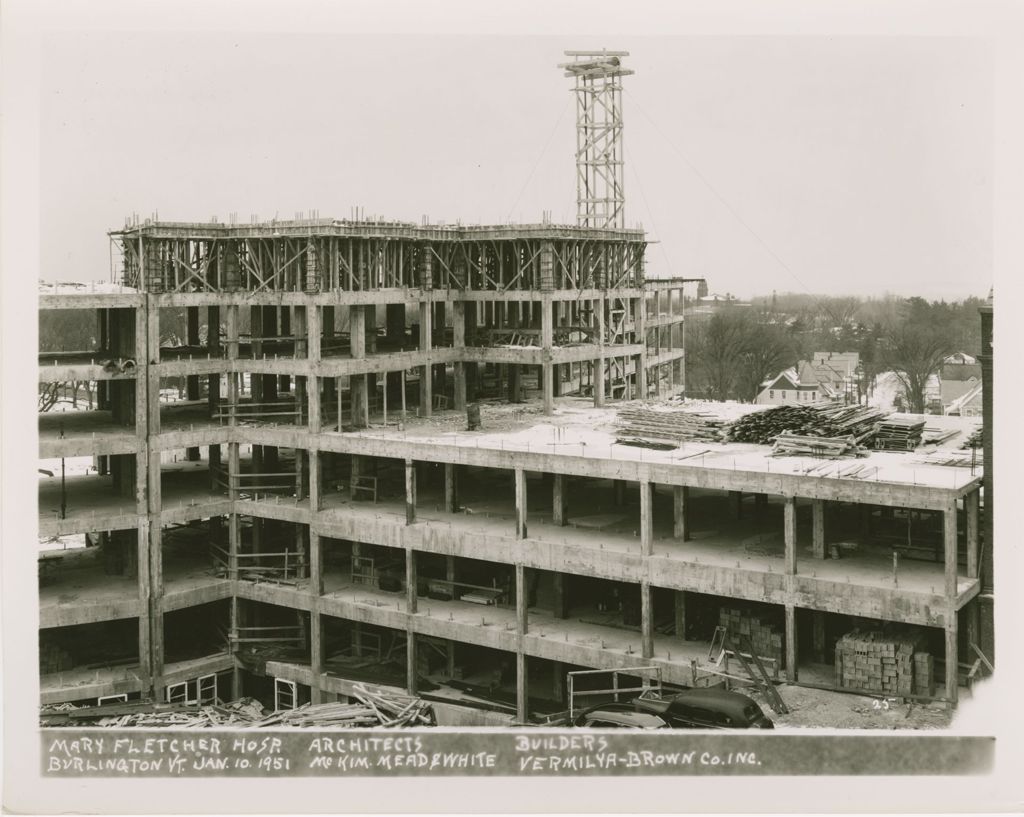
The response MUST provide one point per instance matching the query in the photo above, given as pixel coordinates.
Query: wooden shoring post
(952, 656)
(411, 581)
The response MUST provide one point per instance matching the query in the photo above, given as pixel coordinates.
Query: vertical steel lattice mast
(600, 198)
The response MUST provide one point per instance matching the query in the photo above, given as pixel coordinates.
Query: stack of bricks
(877, 662)
(924, 674)
(765, 639)
(54, 659)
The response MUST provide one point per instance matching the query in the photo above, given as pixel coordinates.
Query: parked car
(619, 716)
(691, 709)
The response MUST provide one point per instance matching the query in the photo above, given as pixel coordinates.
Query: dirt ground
(820, 708)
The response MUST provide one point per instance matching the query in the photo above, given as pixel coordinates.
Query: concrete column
(737, 503)
(357, 382)
(818, 527)
(818, 635)
(316, 653)
(426, 378)
(971, 509)
(949, 539)
(316, 562)
(789, 523)
(522, 704)
(451, 501)
(522, 619)
(646, 518)
(681, 512)
(791, 643)
(410, 665)
(520, 478)
(619, 487)
(313, 382)
(646, 621)
(314, 480)
(410, 492)
(560, 604)
(560, 500)
(547, 342)
(952, 656)
(356, 471)
(599, 363)
(459, 342)
(411, 579)
(680, 610)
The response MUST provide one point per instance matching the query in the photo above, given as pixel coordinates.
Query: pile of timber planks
(666, 428)
(975, 440)
(794, 445)
(372, 710)
(826, 420)
(899, 434)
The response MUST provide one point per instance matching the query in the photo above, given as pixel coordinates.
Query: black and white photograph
(452, 407)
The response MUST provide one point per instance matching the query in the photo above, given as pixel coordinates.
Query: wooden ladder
(760, 677)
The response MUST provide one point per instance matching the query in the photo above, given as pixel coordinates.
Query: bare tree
(914, 349)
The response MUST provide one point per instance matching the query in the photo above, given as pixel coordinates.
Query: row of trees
(731, 353)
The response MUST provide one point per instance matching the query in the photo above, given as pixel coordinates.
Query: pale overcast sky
(827, 164)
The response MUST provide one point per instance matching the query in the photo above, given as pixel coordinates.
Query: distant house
(968, 404)
(957, 379)
(837, 370)
(786, 388)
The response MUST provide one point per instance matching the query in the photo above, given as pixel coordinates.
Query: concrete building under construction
(383, 452)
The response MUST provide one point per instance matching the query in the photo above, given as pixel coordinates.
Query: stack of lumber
(827, 420)
(792, 445)
(975, 440)
(877, 662)
(859, 421)
(934, 436)
(665, 428)
(765, 639)
(899, 434)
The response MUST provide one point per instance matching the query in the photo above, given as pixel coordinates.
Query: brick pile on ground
(765, 638)
(884, 662)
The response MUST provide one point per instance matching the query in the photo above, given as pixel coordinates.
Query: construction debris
(371, 710)
(976, 438)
